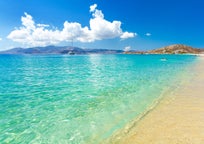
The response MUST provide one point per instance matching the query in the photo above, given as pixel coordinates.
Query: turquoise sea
(79, 99)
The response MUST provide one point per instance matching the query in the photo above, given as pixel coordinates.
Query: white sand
(177, 119)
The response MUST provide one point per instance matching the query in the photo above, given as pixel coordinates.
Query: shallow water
(177, 118)
(79, 99)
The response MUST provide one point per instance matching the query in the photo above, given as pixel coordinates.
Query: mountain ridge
(59, 50)
(171, 49)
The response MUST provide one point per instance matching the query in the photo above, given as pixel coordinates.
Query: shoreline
(176, 118)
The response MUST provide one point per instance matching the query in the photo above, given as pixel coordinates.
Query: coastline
(177, 117)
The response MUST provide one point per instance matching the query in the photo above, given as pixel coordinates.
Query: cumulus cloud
(93, 7)
(148, 34)
(126, 35)
(32, 34)
(127, 48)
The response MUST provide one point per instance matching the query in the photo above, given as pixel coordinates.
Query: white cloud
(93, 7)
(148, 34)
(103, 29)
(0, 39)
(43, 25)
(32, 34)
(28, 22)
(126, 35)
(127, 48)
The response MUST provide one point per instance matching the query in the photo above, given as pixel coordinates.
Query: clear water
(79, 99)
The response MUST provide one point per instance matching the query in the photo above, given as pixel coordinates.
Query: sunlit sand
(177, 119)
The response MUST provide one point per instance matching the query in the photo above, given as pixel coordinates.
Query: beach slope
(178, 118)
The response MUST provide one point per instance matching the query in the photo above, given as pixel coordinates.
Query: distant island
(60, 50)
(172, 49)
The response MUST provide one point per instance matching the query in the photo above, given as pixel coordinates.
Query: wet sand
(177, 119)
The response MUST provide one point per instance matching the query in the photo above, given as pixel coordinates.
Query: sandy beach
(177, 119)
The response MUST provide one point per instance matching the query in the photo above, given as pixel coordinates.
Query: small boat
(71, 53)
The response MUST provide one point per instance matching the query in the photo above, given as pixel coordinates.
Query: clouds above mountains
(32, 34)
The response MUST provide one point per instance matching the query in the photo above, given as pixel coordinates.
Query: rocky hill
(176, 49)
(59, 50)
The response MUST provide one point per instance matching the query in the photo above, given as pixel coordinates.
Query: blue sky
(136, 24)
